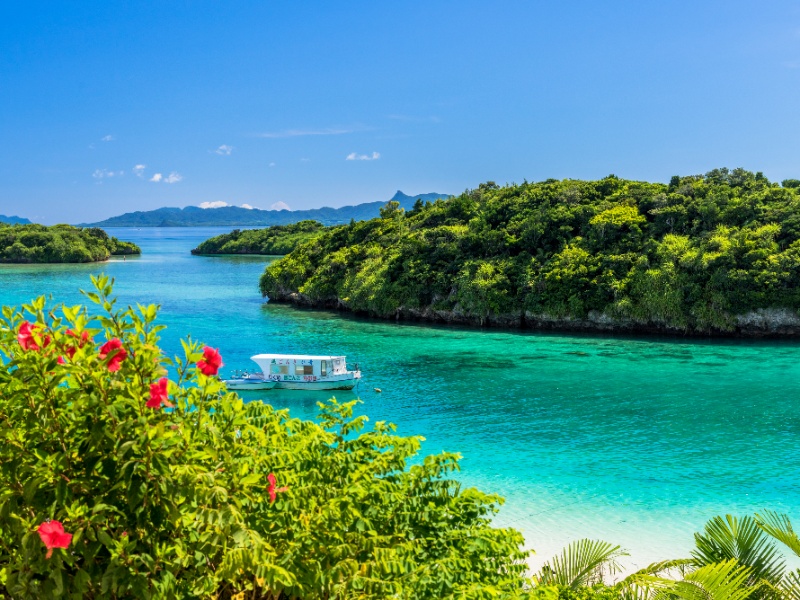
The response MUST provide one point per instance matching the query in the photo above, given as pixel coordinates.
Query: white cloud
(299, 132)
(138, 170)
(249, 207)
(305, 160)
(272, 164)
(105, 173)
(216, 204)
(224, 150)
(354, 156)
(107, 138)
(280, 206)
(173, 177)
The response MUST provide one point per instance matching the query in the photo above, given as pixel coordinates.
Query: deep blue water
(634, 440)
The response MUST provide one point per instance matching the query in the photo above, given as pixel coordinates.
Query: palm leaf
(581, 563)
(778, 526)
(665, 565)
(718, 581)
(743, 540)
(645, 582)
(789, 588)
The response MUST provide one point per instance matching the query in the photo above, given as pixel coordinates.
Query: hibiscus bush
(125, 473)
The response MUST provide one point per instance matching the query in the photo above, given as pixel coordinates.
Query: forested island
(276, 240)
(703, 254)
(34, 243)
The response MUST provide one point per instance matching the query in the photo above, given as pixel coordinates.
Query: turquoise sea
(637, 441)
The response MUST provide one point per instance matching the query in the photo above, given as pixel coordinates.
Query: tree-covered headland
(713, 253)
(59, 244)
(275, 240)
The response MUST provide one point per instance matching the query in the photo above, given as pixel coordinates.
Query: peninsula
(704, 254)
(275, 240)
(34, 243)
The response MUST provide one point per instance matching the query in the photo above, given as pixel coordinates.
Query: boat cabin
(299, 367)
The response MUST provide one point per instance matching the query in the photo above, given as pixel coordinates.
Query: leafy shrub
(170, 487)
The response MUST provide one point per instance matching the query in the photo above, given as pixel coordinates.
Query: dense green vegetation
(59, 244)
(126, 474)
(693, 255)
(279, 239)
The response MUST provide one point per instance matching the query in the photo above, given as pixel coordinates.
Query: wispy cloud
(107, 138)
(272, 164)
(280, 206)
(287, 133)
(224, 150)
(791, 64)
(215, 204)
(354, 156)
(250, 207)
(105, 173)
(173, 177)
(138, 170)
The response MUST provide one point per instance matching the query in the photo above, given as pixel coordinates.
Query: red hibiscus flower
(159, 394)
(211, 361)
(71, 349)
(27, 336)
(53, 536)
(272, 490)
(115, 352)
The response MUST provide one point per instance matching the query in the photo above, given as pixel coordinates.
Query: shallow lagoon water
(637, 441)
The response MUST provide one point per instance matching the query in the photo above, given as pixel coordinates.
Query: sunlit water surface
(637, 441)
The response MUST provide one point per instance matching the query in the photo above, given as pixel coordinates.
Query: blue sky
(264, 102)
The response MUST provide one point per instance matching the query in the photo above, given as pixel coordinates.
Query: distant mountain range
(14, 220)
(194, 216)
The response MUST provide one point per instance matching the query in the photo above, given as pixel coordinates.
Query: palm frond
(789, 588)
(780, 527)
(581, 563)
(718, 581)
(666, 565)
(741, 539)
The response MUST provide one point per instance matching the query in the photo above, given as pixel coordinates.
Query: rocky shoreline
(769, 323)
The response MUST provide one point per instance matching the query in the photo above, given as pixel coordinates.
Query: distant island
(31, 243)
(275, 240)
(194, 216)
(14, 220)
(703, 254)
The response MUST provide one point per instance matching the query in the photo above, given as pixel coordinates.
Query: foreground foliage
(118, 479)
(59, 244)
(692, 255)
(276, 240)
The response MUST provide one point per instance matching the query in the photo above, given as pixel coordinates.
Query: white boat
(297, 372)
